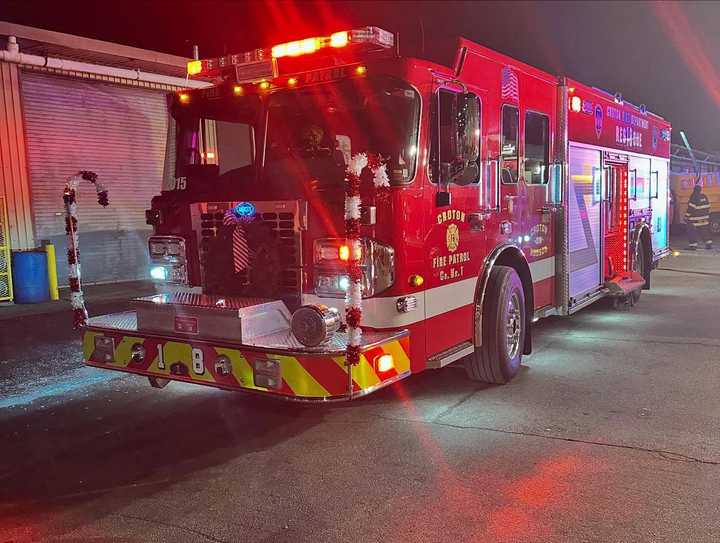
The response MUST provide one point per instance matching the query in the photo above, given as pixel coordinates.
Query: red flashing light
(264, 85)
(361, 70)
(238, 90)
(255, 65)
(292, 82)
(339, 39)
(297, 48)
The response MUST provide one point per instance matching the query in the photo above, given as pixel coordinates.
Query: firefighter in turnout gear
(697, 218)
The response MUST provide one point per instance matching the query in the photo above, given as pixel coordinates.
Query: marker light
(184, 98)
(264, 85)
(416, 280)
(385, 362)
(159, 273)
(576, 104)
(339, 39)
(292, 82)
(194, 67)
(360, 70)
(238, 90)
(344, 253)
(244, 210)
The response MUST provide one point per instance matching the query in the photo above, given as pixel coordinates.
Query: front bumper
(275, 365)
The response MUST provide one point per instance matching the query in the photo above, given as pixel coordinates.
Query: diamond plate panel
(126, 321)
(201, 300)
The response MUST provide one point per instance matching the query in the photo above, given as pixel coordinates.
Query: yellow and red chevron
(304, 377)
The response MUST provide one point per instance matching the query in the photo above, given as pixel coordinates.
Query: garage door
(117, 131)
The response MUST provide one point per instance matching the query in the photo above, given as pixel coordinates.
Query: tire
(499, 357)
(640, 266)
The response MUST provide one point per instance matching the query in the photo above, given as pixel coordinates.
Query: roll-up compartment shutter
(117, 131)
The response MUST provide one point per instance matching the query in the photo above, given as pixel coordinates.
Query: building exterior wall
(14, 179)
(116, 131)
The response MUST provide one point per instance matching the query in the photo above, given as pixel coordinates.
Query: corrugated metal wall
(116, 131)
(14, 184)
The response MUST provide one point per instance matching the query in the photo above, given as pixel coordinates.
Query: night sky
(665, 55)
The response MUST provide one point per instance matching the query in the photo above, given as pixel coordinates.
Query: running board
(624, 285)
(450, 355)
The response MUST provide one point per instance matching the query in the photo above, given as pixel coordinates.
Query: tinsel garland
(77, 300)
(353, 301)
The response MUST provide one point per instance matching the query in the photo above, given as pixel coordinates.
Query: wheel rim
(513, 325)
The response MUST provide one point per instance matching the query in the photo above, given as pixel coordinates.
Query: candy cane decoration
(77, 301)
(353, 301)
(240, 247)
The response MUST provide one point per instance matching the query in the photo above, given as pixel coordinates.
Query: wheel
(498, 359)
(639, 265)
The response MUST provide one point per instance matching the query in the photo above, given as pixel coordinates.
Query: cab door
(455, 235)
(539, 225)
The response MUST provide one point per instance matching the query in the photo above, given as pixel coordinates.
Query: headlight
(377, 262)
(167, 259)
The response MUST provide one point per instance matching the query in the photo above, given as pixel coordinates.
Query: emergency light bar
(262, 63)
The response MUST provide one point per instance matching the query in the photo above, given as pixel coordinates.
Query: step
(622, 285)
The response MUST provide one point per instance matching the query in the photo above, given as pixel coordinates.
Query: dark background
(663, 54)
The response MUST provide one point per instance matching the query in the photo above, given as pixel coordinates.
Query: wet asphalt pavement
(611, 433)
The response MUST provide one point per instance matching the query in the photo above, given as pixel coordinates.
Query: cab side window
(449, 132)
(537, 148)
(509, 159)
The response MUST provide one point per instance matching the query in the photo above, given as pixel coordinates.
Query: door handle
(477, 220)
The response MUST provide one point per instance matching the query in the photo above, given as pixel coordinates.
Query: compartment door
(659, 203)
(584, 206)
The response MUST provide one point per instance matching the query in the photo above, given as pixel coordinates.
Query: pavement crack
(666, 455)
(454, 406)
(172, 525)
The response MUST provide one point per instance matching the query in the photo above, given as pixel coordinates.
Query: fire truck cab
(510, 195)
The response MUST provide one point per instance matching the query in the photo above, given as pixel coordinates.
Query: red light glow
(339, 39)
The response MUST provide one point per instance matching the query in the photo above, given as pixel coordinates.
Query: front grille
(282, 219)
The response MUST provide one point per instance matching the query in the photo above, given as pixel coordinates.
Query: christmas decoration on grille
(240, 247)
(77, 300)
(353, 300)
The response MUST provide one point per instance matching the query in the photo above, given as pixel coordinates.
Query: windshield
(313, 132)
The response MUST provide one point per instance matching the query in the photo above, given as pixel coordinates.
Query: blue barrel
(30, 277)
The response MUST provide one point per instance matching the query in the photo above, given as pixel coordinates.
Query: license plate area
(267, 373)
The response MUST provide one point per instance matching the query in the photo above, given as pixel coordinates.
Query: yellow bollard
(52, 271)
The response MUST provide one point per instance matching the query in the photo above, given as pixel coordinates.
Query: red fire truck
(510, 195)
